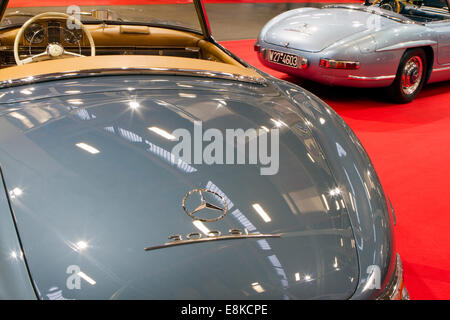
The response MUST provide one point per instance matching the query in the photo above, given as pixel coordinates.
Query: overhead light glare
(263, 214)
(201, 226)
(163, 133)
(87, 147)
(87, 278)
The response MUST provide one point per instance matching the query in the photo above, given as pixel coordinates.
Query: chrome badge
(219, 206)
(214, 235)
(205, 204)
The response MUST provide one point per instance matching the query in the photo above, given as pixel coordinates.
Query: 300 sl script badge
(213, 235)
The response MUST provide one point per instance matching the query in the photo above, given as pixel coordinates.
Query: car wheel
(410, 78)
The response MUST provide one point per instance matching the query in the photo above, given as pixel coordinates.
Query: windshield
(419, 11)
(441, 4)
(436, 4)
(176, 13)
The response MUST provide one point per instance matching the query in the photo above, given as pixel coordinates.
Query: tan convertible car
(176, 40)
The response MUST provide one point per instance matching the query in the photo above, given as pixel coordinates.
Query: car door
(443, 31)
(443, 34)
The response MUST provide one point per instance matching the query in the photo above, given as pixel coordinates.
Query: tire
(411, 75)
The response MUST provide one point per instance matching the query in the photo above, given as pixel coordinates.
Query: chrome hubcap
(412, 75)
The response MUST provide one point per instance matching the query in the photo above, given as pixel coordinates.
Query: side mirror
(104, 15)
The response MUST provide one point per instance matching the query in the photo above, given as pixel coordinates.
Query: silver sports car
(400, 46)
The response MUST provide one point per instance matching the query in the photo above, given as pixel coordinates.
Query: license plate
(283, 58)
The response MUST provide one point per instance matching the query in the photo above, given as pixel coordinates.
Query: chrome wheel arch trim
(389, 77)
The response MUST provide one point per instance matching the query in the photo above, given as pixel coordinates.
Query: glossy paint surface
(305, 30)
(14, 278)
(98, 210)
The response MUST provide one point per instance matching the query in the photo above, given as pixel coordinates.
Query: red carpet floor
(410, 148)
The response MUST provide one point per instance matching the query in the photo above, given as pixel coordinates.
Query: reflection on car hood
(315, 30)
(95, 213)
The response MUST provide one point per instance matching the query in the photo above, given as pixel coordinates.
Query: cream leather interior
(119, 36)
(121, 62)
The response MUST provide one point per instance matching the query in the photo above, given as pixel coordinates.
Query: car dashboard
(122, 39)
(426, 14)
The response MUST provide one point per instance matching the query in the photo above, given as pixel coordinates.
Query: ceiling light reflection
(257, 287)
(336, 264)
(134, 105)
(163, 133)
(87, 278)
(326, 202)
(335, 192)
(278, 123)
(263, 214)
(16, 255)
(187, 95)
(81, 245)
(200, 226)
(75, 101)
(87, 147)
(16, 192)
(26, 122)
(26, 91)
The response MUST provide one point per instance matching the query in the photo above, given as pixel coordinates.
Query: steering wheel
(53, 50)
(391, 5)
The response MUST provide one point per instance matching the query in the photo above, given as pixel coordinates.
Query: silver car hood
(313, 30)
(95, 213)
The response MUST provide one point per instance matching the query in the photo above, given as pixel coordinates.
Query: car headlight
(395, 289)
(339, 64)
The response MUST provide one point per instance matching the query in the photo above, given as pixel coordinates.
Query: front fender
(359, 185)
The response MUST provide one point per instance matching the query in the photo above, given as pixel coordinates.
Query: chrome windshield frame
(203, 19)
(133, 71)
(364, 8)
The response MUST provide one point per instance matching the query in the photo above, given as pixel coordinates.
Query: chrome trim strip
(214, 238)
(140, 71)
(409, 44)
(394, 288)
(371, 78)
(441, 69)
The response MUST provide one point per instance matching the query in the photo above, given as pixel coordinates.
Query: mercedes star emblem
(223, 208)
